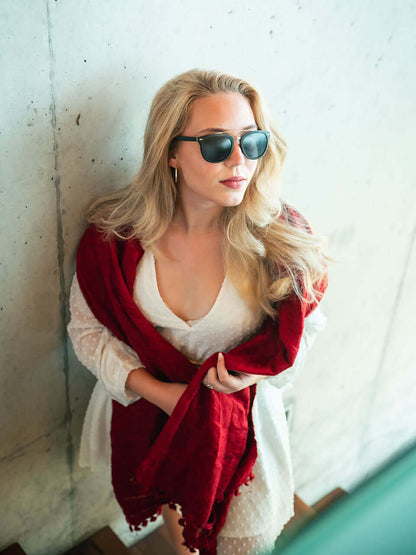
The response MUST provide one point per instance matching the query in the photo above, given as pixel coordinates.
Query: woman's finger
(210, 378)
(222, 372)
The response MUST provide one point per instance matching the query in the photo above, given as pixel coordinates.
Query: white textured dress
(257, 516)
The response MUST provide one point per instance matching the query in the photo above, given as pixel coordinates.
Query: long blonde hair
(267, 255)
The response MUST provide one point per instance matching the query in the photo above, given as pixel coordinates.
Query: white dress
(257, 516)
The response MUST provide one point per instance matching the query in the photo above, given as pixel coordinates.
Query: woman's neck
(197, 219)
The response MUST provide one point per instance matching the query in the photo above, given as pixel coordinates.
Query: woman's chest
(190, 279)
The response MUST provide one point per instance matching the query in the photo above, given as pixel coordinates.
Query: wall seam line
(63, 296)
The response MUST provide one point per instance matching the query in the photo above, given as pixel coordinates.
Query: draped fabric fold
(200, 456)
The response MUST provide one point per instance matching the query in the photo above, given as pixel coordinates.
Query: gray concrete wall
(77, 81)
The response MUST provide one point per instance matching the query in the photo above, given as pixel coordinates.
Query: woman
(194, 304)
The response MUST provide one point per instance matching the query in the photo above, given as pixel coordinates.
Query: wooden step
(104, 542)
(304, 513)
(326, 501)
(13, 549)
(156, 543)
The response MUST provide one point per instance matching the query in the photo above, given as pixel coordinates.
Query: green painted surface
(378, 518)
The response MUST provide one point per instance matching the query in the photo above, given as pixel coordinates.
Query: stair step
(104, 542)
(333, 496)
(155, 543)
(13, 549)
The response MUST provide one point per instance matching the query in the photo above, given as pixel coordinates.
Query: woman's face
(223, 183)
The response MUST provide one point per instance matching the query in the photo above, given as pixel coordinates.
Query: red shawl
(200, 455)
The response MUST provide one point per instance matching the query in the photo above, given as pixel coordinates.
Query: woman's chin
(234, 198)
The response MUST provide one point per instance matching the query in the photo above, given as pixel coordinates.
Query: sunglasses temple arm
(191, 139)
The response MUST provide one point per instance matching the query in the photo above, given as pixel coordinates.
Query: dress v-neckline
(188, 323)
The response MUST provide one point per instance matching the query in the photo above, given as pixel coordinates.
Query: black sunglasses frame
(240, 142)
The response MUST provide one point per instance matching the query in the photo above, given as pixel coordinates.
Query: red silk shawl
(200, 455)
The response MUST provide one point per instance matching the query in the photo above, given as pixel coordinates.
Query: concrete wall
(77, 81)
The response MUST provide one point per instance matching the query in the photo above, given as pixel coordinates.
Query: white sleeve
(108, 358)
(313, 323)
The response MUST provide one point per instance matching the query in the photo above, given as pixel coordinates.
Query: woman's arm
(163, 395)
(113, 362)
(109, 359)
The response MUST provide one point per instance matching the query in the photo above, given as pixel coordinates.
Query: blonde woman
(194, 303)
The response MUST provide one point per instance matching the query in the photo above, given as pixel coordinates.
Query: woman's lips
(233, 182)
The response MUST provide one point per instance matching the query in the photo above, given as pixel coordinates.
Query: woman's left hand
(219, 378)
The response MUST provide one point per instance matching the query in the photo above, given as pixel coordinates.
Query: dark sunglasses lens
(254, 144)
(216, 148)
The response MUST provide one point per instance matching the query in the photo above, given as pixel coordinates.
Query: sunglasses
(217, 147)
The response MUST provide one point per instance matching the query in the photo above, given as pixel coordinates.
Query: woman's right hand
(225, 381)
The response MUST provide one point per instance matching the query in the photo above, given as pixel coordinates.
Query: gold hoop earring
(176, 175)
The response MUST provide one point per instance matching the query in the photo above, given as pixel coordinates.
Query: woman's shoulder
(94, 235)
(92, 242)
(96, 243)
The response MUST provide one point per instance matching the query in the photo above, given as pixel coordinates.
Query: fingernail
(221, 355)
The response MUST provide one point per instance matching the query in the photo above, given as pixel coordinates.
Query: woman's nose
(237, 157)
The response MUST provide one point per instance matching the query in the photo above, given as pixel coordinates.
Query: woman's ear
(173, 163)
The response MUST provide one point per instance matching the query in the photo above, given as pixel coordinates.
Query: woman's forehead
(221, 112)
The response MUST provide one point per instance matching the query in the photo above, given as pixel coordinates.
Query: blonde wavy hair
(268, 254)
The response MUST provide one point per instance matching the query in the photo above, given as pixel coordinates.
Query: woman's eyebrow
(221, 130)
